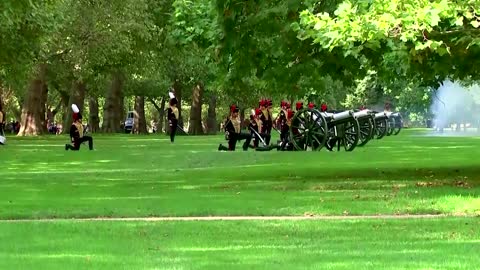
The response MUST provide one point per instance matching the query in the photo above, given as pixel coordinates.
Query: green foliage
(25, 28)
(431, 35)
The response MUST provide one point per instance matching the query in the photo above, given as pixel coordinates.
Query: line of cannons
(312, 130)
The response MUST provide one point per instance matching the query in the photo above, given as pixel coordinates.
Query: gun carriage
(366, 120)
(313, 130)
(309, 130)
(395, 123)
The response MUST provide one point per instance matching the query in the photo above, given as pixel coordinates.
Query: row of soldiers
(260, 126)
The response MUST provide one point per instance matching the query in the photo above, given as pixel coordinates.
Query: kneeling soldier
(76, 134)
(233, 132)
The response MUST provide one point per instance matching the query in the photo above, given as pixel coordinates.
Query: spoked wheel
(346, 134)
(308, 130)
(351, 135)
(366, 131)
(380, 128)
(398, 125)
(390, 126)
(331, 139)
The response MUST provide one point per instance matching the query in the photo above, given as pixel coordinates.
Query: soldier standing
(256, 126)
(2, 126)
(266, 118)
(173, 115)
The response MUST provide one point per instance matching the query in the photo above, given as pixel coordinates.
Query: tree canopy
(107, 55)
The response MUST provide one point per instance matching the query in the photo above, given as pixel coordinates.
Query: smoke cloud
(456, 107)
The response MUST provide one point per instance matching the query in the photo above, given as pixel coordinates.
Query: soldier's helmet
(77, 116)
(234, 108)
(324, 107)
(299, 105)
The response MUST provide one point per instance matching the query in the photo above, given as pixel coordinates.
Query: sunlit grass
(141, 176)
(130, 176)
(446, 243)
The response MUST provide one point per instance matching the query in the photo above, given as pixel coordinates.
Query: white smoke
(456, 107)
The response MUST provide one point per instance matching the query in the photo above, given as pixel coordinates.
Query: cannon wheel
(380, 128)
(308, 130)
(349, 138)
(366, 131)
(398, 125)
(352, 135)
(390, 126)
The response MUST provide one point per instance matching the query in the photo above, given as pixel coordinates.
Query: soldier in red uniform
(2, 125)
(233, 131)
(256, 127)
(76, 134)
(172, 116)
(266, 118)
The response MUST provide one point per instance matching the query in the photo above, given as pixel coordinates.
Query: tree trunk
(160, 125)
(18, 112)
(212, 116)
(242, 117)
(177, 86)
(161, 113)
(33, 110)
(77, 96)
(1, 95)
(112, 116)
(53, 111)
(195, 127)
(93, 119)
(139, 121)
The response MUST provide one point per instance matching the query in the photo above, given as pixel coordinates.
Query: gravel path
(233, 218)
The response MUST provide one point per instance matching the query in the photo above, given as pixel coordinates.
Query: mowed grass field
(146, 176)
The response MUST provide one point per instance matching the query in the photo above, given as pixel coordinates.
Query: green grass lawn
(141, 176)
(446, 243)
(131, 176)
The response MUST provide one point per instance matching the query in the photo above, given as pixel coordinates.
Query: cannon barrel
(396, 115)
(380, 116)
(327, 114)
(342, 116)
(393, 115)
(362, 114)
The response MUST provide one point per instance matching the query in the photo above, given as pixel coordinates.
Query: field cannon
(395, 123)
(308, 130)
(381, 124)
(313, 130)
(366, 120)
(343, 130)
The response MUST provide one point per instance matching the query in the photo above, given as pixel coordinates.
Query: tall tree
(139, 121)
(435, 39)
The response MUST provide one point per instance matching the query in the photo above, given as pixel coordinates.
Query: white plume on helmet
(171, 94)
(75, 108)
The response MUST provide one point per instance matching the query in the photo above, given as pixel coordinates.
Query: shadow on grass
(386, 173)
